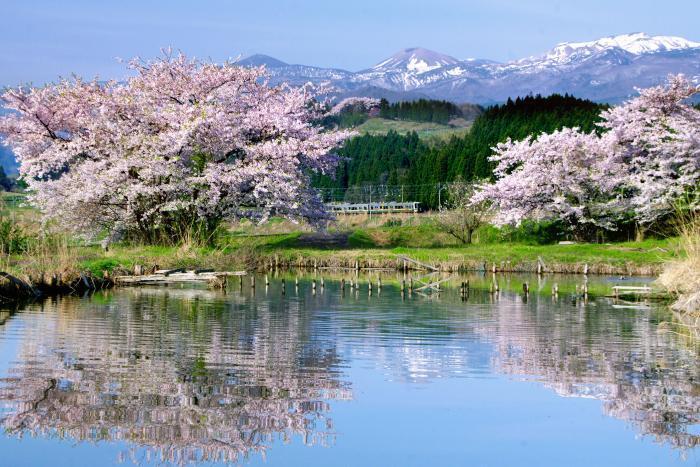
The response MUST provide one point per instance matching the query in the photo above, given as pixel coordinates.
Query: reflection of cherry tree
(181, 378)
(638, 370)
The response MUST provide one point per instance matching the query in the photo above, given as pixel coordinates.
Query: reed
(682, 277)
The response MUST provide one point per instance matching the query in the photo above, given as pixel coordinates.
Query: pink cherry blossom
(645, 161)
(181, 142)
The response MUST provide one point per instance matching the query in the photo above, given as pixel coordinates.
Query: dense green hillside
(467, 157)
(395, 159)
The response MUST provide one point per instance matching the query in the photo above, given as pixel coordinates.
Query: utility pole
(369, 207)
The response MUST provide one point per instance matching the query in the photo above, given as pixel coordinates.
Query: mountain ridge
(605, 70)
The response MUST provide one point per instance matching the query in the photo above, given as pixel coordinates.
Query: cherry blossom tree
(181, 144)
(358, 104)
(459, 216)
(645, 160)
(553, 176)
(656, 148)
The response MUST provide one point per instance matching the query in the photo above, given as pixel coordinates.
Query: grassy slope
(378, 126)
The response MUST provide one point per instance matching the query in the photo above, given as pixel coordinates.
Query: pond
(331, 376)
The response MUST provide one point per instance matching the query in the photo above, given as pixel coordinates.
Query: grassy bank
(379, 242)
(373, 248)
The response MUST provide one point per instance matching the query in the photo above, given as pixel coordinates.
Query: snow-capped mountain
(415, 60)
(636, 44)
(607, 69)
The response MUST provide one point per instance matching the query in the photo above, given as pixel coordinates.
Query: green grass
(362, 245)
(246, 245)
(424, 243)
(380, 126)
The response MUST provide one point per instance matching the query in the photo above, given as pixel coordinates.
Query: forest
(418, 166)
(422, 110)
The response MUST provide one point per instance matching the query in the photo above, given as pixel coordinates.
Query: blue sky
(43, 39)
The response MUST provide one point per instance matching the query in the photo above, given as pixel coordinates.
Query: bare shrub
(459, 216)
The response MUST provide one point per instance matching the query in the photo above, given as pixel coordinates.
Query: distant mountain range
(604, 70)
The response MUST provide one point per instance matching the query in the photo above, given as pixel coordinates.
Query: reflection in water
(185, 378)
(636, 367)
(195, 374)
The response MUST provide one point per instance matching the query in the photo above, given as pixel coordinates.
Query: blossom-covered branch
(645, 160)
(181, 143)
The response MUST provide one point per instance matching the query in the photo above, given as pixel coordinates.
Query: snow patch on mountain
(636, 44)
(416, 59)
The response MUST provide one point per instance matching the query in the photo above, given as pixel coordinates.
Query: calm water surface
(153, 376)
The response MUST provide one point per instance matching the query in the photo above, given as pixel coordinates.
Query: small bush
(98, 267)
(528, 232)
(360, 239)
(13, 239)
(392, 223)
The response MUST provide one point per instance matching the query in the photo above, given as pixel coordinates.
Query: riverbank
(260, 252)
(356, 243)
(681, 277)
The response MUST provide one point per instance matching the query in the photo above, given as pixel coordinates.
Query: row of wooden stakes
(353, 285)
(463, 289)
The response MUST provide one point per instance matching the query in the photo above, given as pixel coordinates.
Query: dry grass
(363, 220)
(682, 277)
(53, 254)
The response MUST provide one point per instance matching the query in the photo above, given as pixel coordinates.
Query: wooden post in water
(267, 280)
(252, 281)
(403, 284)
(369, 283)
(284, 287)
(555, 289)
(379, 282)
(410, 284)
(526, 288)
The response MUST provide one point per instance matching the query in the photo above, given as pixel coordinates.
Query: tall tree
(181, 143)
(647, 158)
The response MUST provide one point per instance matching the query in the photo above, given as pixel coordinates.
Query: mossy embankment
(64, 260)
(384, 248)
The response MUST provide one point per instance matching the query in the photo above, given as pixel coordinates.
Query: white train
(379, 207)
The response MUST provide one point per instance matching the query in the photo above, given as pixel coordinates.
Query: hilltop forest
(418, 166)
